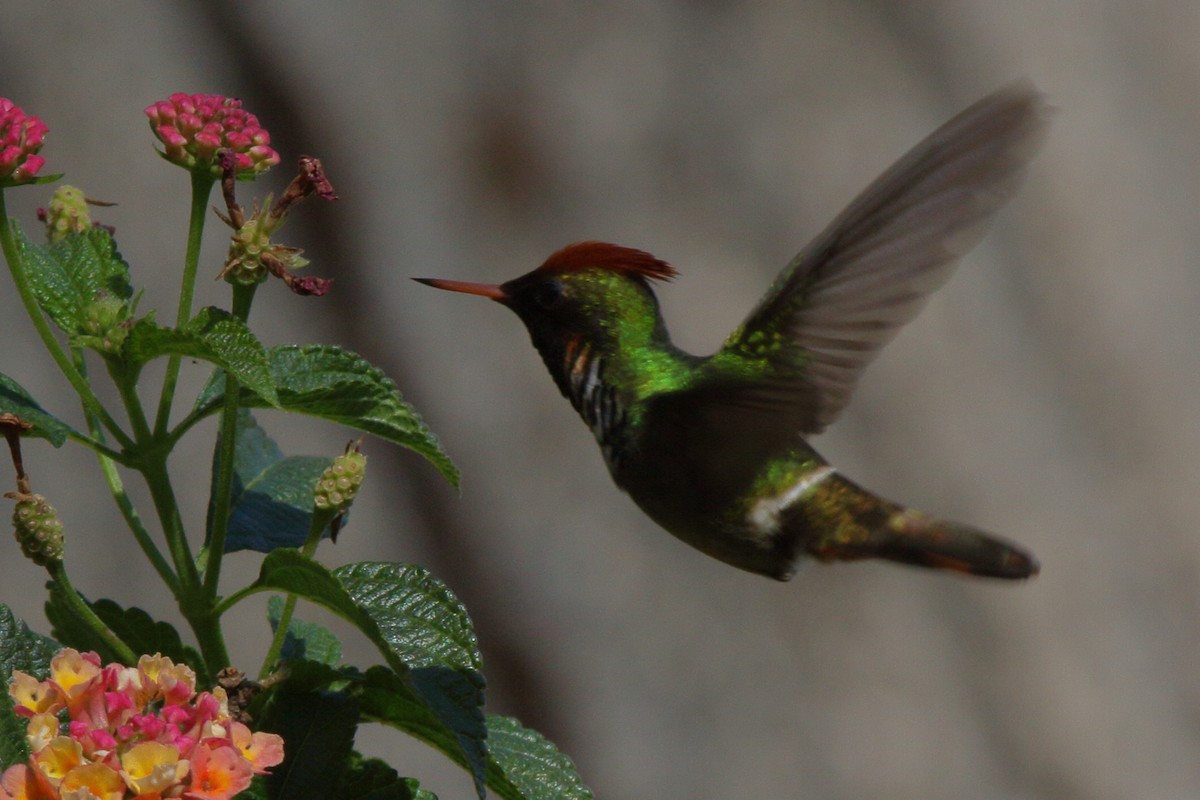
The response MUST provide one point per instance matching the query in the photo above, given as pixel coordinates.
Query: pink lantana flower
(218, 773)
(133, 732)
(193, 128)
(21, 138)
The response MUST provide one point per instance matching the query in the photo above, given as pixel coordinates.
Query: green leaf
(144, 634)
(258, 790)
(437, 705)
(288, 571)
(373, 779)
(441, 702)
(68, 275)
(20, 649)
(339, 386)
(305, 640)
(524, 765)
(67, 628)
(272, 500)
(428, 627)
(318, 736)
(417, 614)
(135, 627)
(15, 400)
(212, 335)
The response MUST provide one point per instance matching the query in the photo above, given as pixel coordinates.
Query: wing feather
(846, 294)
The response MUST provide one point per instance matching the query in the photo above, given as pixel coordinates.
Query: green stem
(320, 520)
(285, 621)
(202, 184)
(16, 267)
(98, 447)
(214, 542)
(197, 606)
(133, 407)
(157, 480)
(108, 468)
(84, 613)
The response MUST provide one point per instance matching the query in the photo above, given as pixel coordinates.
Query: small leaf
(212, 335)
(20, 649)
(68, 275)
(272, 500)
(318, 736)
(305, 640)
(524, 765)
(339, 386)
(15, 400)
(416, 613)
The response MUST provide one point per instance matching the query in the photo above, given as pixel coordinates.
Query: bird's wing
(848, 292)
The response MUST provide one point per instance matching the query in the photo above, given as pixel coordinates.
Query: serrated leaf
(442, 703)
(135, 627)
(257, 791)
(428, 627)
(272, 499)
(524, 765)
(373, 779)
(417, 614)
(213, 335)
(339, 386)
(15, 400)
(20, 649)
(288, 571)
(318, 731)
(438, 705)
(144, 634)
(68, 275)
(305, 640)
(69, 629)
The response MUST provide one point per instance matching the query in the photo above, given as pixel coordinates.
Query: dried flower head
(195, 127)
(21, 138)
(252, 255)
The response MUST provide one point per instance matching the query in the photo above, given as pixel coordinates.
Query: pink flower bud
(194, 128)
(20, 139)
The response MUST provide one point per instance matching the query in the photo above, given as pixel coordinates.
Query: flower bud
(339, 483)
(193, 128)
(38, 529)
(105, 324)
(68, 213)
(21, 138)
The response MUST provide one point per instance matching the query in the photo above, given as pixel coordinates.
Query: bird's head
(590, 292)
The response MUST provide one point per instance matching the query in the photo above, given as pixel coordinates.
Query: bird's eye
(548, 294)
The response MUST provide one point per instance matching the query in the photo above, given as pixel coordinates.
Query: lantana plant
(114, 703)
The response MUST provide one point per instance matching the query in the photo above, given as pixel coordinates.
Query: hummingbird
(714, 448)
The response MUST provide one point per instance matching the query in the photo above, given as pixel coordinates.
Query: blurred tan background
(1048, 393)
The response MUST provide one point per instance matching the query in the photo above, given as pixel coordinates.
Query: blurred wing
(849, 291)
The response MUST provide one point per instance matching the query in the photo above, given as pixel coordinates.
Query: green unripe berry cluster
(38, 530)
(339, 483)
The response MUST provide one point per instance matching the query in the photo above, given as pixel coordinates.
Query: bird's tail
(871, 527)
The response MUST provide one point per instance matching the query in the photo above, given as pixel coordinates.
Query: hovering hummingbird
(712, 448)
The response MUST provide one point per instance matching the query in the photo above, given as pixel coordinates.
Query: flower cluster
(20, 139)
(134, 732)
(194, 127)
